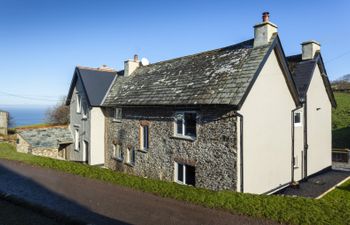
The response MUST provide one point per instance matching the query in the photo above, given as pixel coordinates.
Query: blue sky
(42, 41)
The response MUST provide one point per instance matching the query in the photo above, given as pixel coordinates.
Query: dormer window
(185, 124)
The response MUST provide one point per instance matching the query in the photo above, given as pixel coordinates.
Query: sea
(26, 115)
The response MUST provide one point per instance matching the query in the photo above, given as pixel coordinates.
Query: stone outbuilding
(53, 142)
(4, 118)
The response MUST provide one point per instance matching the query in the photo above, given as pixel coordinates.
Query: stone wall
(22, 145)
(213, 152)
(46, 152)
(3, 122)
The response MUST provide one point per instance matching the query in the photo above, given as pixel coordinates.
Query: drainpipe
(293, 137)
(306, 145)
(241, 150)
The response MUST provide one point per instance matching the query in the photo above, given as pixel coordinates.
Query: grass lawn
(341, 121)
(332, 209)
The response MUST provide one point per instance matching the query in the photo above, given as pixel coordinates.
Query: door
(86, 151)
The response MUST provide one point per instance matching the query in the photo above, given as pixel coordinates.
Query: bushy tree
(58, 114)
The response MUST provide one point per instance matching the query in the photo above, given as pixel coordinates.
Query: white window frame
(78, 103)
(183, 125)
(117, 151)
(301, 119)
(176, 178)
(85, 111)
(142, 140)
(117, 117)
(129, 152)
(76, 140)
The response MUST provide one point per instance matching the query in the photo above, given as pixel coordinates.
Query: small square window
(185, 174)
(297, 119)
(118, 114)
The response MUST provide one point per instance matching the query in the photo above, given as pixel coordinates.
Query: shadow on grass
(33, 195)
(341, 138)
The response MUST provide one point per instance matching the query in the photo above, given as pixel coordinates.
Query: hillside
(341, 121)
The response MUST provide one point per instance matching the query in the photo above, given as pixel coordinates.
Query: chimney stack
(264, 31)
(131, 65)
(309, 49)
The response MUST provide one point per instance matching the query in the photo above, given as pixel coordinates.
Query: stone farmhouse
(243, 117)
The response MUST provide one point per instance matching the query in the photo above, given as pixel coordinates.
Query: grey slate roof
(220, 76)
(302, 71)
(46, 137)
(95, 82)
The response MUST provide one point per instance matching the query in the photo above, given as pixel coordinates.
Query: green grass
(333, 209)
(341, 121)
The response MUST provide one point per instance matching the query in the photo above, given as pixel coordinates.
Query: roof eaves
(258, 69)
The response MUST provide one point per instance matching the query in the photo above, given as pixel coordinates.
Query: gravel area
(316, 185)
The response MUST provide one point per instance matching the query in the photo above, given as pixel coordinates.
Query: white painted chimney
(309, 49)
(131, 65)
(264, 31)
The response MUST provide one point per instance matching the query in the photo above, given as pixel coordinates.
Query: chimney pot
(265, 16)
(136, 58)
(264, 31)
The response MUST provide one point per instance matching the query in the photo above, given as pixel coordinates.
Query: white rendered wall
(267, 130)
(319, 125)
(97, 141)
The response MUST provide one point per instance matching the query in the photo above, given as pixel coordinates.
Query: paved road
(102, 203)
(17, 215)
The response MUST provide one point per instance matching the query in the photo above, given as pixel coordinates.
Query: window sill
(116, 121)
(187, 138)
(129, 164)
(117, 159)
(143, 150)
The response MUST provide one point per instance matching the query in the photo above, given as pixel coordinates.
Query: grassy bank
(341, 121)
(333, 209)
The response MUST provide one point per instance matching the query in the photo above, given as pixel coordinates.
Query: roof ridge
(104, 69)
(204, 52)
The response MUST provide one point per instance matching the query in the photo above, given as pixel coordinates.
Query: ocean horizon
(26, 115)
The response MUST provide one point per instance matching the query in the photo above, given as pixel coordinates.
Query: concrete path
(102, 203)
(316, 185)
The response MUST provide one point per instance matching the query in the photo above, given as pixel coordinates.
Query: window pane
(190, 124)
(297, 118)
(114, 151)
(179, 126)
(145, 137)
(118, 113)
(180, 172)
(190, 175)
(133, 155)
